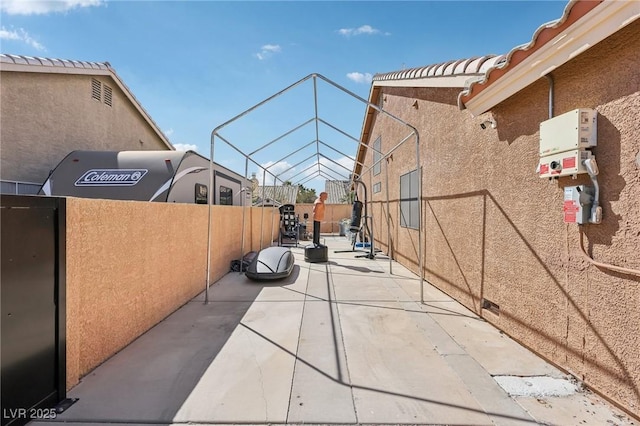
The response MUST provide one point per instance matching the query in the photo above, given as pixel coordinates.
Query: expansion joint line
(334, 302)
(295, 363)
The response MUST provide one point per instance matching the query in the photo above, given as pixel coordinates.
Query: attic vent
(108, 95)
(96, 89)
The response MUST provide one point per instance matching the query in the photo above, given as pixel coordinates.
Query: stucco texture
(493, 230)
(332, 215)
(130, 264)
(54, 114)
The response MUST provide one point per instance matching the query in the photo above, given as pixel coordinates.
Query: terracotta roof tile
(443, 69)
(52, 62)
(574, 10)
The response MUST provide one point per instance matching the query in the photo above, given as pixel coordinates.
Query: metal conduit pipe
(388, 215)
(244, 213)
(620, 269)
(551, 90)
(594, 180)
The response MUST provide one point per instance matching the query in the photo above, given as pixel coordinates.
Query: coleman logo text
(111, 177)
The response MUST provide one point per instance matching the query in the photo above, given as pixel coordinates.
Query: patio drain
(536, 386)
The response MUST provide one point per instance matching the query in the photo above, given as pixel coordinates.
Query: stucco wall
(494, 230)
(333, 213)
(130, 264)
(44, 117)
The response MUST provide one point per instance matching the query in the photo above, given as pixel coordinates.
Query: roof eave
(596, 25)
(365, 133)
(455, 81)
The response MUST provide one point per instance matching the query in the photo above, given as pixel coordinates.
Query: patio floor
(342, 342)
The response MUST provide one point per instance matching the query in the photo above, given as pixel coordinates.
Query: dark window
(409, 199)
(377, 155)
(202, 193)
(226, 196)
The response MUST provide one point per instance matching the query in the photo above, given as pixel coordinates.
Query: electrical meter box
(577, 204)
(575, 129)
(564, 143)
(563, 163)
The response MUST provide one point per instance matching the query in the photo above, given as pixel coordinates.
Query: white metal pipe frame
(322, 169)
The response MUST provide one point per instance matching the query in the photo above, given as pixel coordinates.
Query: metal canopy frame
(321, 169)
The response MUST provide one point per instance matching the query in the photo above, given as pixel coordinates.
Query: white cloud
(277, 169)
(168, 132)
(364, 29)
(185, 147)
(335, 171)
(268, 50)
(359, 77)
(42, 7)
(20, 35)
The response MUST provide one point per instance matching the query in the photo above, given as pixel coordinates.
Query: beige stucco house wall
(493, 231)
(49, 108)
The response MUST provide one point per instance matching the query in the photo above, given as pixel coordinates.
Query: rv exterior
(162, 176)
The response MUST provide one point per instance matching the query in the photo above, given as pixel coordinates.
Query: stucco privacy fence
(334, 213)
(130, 264)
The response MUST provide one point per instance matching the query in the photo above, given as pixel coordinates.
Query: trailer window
(202, 194)
(226, 196)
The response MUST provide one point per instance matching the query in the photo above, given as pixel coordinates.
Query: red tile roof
(574, 10)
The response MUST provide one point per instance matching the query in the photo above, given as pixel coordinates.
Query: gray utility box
(577, 204)
(564, 143)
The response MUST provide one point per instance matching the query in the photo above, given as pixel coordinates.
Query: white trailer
(162, 176)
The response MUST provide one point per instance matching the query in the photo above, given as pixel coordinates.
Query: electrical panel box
(577, 204)
(563, 163)
(575, 129)
(564, 141)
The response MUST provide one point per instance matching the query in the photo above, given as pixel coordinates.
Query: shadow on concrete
(152, 377)
(619, 371)
(372, 304)
(386, 392)
(362, 269)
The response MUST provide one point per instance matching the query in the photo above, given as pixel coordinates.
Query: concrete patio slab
(321, 379)
(340, 342)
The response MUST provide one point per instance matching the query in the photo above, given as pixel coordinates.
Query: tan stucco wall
(130, 264)
(44, 117)
(333, 213)
(493, 229)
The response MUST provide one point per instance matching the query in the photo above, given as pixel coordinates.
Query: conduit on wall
(322, 170)
(604, 265)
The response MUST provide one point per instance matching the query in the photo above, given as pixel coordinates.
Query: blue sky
(194, 65)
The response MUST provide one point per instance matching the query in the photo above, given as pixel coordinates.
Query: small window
(377, 156)
(377, 187)
(108, 95)
(96, 89)
(409, 199)
(226, 196)
(202, 193)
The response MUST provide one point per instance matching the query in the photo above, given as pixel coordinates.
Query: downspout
(551, 87)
